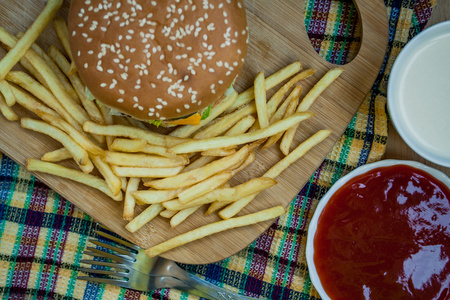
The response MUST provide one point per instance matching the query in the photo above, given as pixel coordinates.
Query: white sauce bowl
(419, 94)
(440, 176)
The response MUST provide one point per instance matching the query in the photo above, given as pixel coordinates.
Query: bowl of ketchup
(383, 232)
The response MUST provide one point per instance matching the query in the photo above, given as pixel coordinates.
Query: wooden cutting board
(277, 38)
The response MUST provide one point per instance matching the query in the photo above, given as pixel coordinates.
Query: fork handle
(182, 286)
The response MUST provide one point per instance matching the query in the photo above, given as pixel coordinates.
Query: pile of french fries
(170, 175)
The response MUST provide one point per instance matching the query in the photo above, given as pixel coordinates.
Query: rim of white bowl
(413, 46)
(312, 227)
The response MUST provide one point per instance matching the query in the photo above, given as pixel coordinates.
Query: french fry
(144, 217)
(271, 81)
(276, 99)
(155, 196)
(187, 130)
(76, 111)
(42, 93)
(113, 181)
(253, 145)
(208, 198)
(79, 87)
(260, 100)
(254, 185)
(294, 96)
(7, 112)
(145, 172)
(129, 201)
(215, 227)
(235, 207)
(226, 122)
(168, 213)
(29, 102)
(227, 141)
(143, 160)
(182, 215)
(306, 103)
(32, 70)
(215, 206)
(133, 133)
(241, 126)
(198, 163)
(289, 110)
(196, 175)
(35, 165)
(301, 150)
(204, 187)
(7, 92)
(225, 194)
(20, 48)
(54, 67)
(78, 136)
(80, 155)
(250, 159)
(108, 121)
(124, 181)
(158, 150)
(219, 151)
(128, 145)
(63, 33)
(276, 170)
(319, 87)
(57, 155)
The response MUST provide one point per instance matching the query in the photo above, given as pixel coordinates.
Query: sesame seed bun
(158, 60)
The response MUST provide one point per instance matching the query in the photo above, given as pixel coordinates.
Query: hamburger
(165, 61)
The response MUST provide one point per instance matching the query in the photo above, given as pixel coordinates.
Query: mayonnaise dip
(419, 94)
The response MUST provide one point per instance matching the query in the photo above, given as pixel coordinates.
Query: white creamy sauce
(424, 95)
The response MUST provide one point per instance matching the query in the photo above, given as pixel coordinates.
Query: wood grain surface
(396, 148)
(277, 38)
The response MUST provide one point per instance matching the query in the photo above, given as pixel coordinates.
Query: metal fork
(126, 265)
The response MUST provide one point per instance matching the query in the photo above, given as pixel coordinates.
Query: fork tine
(97, 252)
(113, 248)
(115, 239)
(117, 282)
(103, 272)
(104, 264)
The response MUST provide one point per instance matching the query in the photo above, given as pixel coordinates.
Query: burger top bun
(161, 59)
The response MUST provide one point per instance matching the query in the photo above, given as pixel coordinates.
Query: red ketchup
(386, 235)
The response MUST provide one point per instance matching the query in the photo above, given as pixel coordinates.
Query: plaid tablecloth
(42, 235)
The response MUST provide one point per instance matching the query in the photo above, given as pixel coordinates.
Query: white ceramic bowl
(323, 202)
(418, 94)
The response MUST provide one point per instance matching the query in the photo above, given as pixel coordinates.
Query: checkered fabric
(42, 235)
